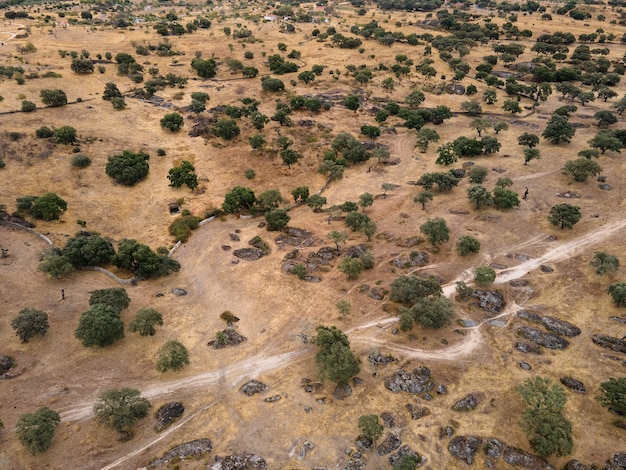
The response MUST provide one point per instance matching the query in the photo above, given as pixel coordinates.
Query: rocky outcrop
(417, 381)
(519, 458)
(244, 461)
(391, 443)
(465, 448)
(249, 254)
(467, 403)
(188, 450)
(546, 340)
(227, 337)
(573, 384)
(252, 387)
(402, 451)
(167, 414)
(560, 327)
(609, 342)
(576, 465)
(489, 300)
(417, 412)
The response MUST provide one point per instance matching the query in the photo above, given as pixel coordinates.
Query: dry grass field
(275, 308)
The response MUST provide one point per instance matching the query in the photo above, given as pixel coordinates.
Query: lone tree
(604, 263)
(100, 326)
(335, 360)
(185, 173)
(467, 245)
(564, 215)
(30, 322)
(145, 321)
(423, 197)
(36, 430)
(120, 410)
(53, 98)
(581, 168)
(431, 313)
(128, 168)
(115, 297)
(238, 199)
(528, 140)
(371, 427)
(479, 196)
(337, 237)
(425, 136)
(276, 219)
(172, 355)
(227, 129)
(484, 276)
(613, 395)
(111, 91)
(172, 122)
(617, 291)
(531, 154)
(558, 130)
(548, 431)
(48, 207)
(352, 103)
(65, 135)
(436, 230)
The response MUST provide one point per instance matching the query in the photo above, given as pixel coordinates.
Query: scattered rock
(243, 461)
(573, 384)
(5, 364)
(448, 431)
(605, 186)
(497, 266)
(525, 365)
(494, 448)
(569, 195)
(307, 409)
(529, 315)
(519, 283)
(412, 241)
(354, 464)
(402, 451)
(356, 251)
(576, 465)
(417, 412)
(441, 389)
(193, 449)
(228, 337)
(515, 456)
(387, 419)
(528, 348)
(252, 387)
(546, 340)
(546, 269)
(411, 382)
(377, 359)
(518, 256)
(492, 301)
(272, 399)
(498, 169)
(167, 414)
(560, 327)
(458, 211)
(608, 342)
(458, 173)
(249, 254)
(465, 448)
(177, 291)
(467, 403)
(226, 247)
(391, 443)
(342, 391)
(309, 386)
(621, 320)
(377, 293)
(234, 237)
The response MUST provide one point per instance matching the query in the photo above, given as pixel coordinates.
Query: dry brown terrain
(275, 308)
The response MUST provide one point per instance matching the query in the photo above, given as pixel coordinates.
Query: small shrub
(181, 227)
(298, 270)
(28, 106)
(229, 317)
(172, 355)
(44, 132)
(250, 174)
(161, 152)
(15, 136)
(80, 161)
(343, 306)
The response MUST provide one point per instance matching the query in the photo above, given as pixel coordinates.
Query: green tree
(351, 267)
(606, 140)
(53, 98)
(370, 131)
(172, 122)
(315, 202)
(48, 207)
(300, 193)
(227, 129)
(55, 264)
(604, 263)
(366, 200)
(100, 326)
(528, 140)
(272, 84)
(424, 136)
(28, 106)
(407, 462)
(472, 108)
(436, 230)
(36, 430)
(447, 154)
(499, 125)
(128, 168)
(581, 168)
(82, 66)
(371, 427)
(480, 125)
(115, 297)
(142, 261)
(238, 199)
(204, 68)
(269, 199)
(477, 174)
(605, 118)
(423, 197)
(120, 409)
(335, 360)
(613, 395)
(276, 219)
(30, 322)
(531, 154)
(415, 98)
(256, 141)
(479, 196)
(111, 91)
(409, 289)
(144, 322)
(185, 173)
(547, 429)
(504, 182)
(490, 96)
(352, 103)
(467, 245)
(505, 198)
(558, 130)
(484, 276)
(337, 237)
(617, 291)
(431, 313)
(564, 215)
(172, 355)
(512, 107)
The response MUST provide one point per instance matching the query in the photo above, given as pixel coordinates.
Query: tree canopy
(30, 322)
(120, 409)
(564, 215)
(128, 168)
(36, 430)
(172, 355)
(335, 360)
(100, 326)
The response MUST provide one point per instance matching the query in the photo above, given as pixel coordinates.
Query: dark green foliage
(48, 207)
(484, 276)
(564, 215)
(581, 168)
(547, 429)
(25, 203)
(81, 161)
(182, 227)
(436, 230)
(467, 245)
(276, 219)
(111, 91)
(407, 462)
(350, 148)
(237, 199)
(432, 313)
(300, 193)
(120, 409)
(445, 181)
(185, 173)
(55, 264)
(352, 103)
(479, 196)
(315, 202)
(558, 130)
(227, 129)
(613, 395)
(606, 140)
(617, 291)
(144, 322)
(477, 174)
(44, 132)
(272, 84)
(93, 250)
(505, 198)
(335, 360)
(463, 290)
(115, 297)
(604, 263)
(100, 326)
(423, 197)
(371, 427)
(204, 68)
(128, 168)
(36, 430)
(28, 106)
(30, 322)
(351, 267)
(140, 259)
(172, 355)
(409, 289)
(172, 122)
(53, 98)
(82, 66)
(65, 135)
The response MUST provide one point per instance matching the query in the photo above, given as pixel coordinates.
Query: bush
(44, 132)
(53, 98)
(128, 168)
(36, 430)
(100, 326)
(185, 173)
(30, 322)
(272, 84)
(28, 106)
(48, 207)
(81, 161)
(93, 250)
(172, 355)
(613, 395)
(370, 427)
(484, 276)
(181, 228)
(467, 245)
(115, 297)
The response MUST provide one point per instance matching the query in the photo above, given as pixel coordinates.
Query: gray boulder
(465, 448)
(546, 340)
(411, 382)
(244, 461)
(573, 384)
(608, 342)
(252, 387)
(618, 460)
(519, 458)
(391, 443)
(576, 465)
(560, 327)
(193, 449)
(492, 301)
(167, 414)
(249, 254)
(5, 364)
(467, 403)
(402, 451)
(493, 447)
